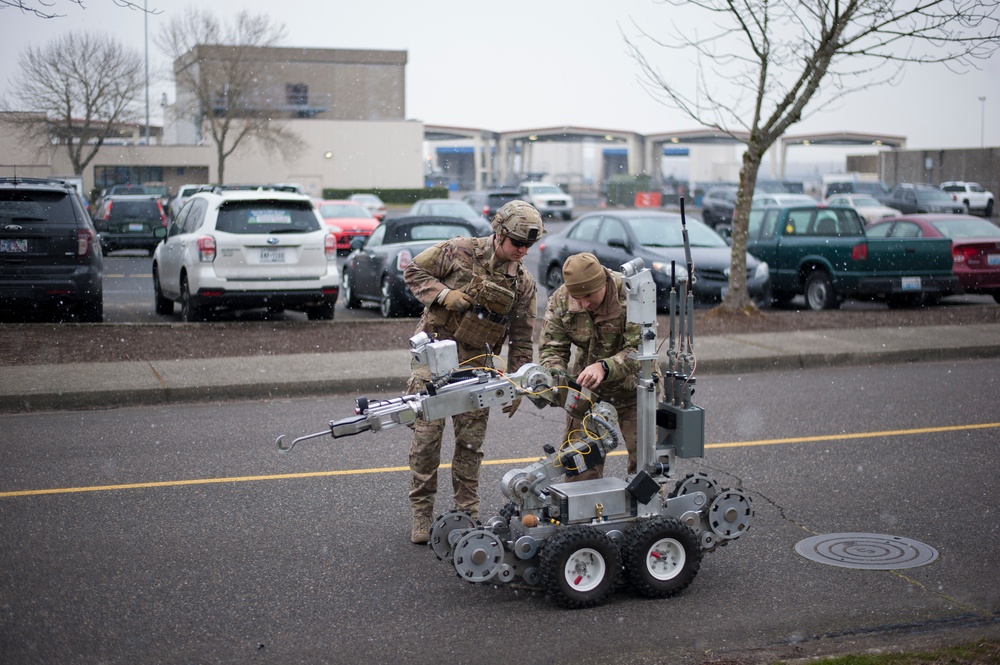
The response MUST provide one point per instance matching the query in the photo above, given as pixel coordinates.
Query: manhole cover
(869, 551)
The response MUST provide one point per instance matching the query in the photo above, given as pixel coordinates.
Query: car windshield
(367, 199)
(263, 216)
(18, 207)
(866, 202)
(423, 232)
(966, 228)
(933, 196)
(546, 189)
(122, 210)
(656, 231)
(342, 210)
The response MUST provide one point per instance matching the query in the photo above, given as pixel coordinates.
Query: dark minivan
(131, 222)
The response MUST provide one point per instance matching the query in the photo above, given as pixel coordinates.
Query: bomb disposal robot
(574, 539)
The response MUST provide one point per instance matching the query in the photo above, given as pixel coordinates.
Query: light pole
(145, 34)
(982, 122)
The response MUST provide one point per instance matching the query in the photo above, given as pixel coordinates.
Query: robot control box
(584, 502)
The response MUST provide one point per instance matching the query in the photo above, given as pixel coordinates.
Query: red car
(975, 245)
(347, 220)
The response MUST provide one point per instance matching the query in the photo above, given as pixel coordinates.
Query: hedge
(391, 196)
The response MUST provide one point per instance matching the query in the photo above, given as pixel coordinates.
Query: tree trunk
(737, 297)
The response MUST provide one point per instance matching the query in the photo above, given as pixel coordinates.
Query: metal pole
(982, 122)
(145, 34)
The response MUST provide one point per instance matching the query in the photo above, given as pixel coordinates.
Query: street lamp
(982, 122)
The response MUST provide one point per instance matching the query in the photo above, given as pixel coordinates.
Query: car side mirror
(357, 242)
(160, 232)
(618, 242)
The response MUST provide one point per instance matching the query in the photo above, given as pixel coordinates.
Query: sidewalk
(384, 373)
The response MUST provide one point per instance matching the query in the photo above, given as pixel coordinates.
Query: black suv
(50, 260)
(718, 204)
(130, 222)
(487, 202)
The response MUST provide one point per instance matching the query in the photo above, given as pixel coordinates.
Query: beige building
(347, 107)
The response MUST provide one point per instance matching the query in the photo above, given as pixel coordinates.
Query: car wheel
(567, 216)
(387, 304)
(989, 208)
(189, 311)
(347, 288)
(554, 278)
(162, 304)
(819, 291)
(321, 313)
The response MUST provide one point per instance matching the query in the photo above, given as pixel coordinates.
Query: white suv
(246, 250)
(547, 199)
(975, 198)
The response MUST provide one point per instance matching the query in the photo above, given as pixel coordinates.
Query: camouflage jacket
(456, 264)
(602, 335)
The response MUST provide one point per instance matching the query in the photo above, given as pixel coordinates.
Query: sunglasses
(518, 244)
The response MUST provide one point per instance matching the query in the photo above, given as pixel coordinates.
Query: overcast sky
(521, 64)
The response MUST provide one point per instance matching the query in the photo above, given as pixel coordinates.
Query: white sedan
(237, 250)
(870, 208)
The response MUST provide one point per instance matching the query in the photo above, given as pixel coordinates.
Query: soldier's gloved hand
(456, 301)
(512, 407)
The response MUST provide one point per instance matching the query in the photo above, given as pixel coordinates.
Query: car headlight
(664, 268)
(333, 228)
(762, 271)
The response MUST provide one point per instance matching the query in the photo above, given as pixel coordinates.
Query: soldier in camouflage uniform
(477, 292)
(589, 312)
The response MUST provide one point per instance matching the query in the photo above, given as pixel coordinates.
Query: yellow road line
(522, 460)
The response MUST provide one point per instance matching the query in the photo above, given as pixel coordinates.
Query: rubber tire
(553, 278)
(189, 312)
(161, 304)
(572, 542)
(667, 536)
(320, 313)
(351, 300)
(387, 305)
(819, 292)
(989, 208)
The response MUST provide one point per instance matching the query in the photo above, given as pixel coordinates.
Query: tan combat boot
(421, 533)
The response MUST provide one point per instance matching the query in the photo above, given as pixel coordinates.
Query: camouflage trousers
(628, 422)
(425, 458)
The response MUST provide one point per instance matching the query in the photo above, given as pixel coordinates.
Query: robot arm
(452, 391)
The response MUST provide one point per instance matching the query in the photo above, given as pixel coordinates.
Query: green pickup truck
(823, 253)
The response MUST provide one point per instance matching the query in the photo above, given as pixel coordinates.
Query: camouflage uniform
(602, 335)
(458, 264)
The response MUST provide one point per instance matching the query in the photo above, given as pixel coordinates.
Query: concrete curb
(373, 373)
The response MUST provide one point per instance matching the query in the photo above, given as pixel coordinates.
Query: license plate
(911, 283)
(136, 228)
(8, 245)
(275, 255)
(993, 259)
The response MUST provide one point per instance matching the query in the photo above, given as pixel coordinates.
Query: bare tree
(47, 8)
(760, 66)
(222, 81)
(77, 90)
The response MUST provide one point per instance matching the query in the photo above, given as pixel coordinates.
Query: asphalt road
(179, 533)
